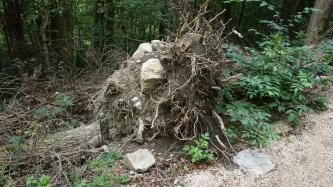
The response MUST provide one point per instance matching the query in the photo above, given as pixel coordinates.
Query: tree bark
(110, 21)
(99, 17)
(319, 20)
(62, 34)
(13, 27)
(288, 9)
(45, 61)
(241, 13)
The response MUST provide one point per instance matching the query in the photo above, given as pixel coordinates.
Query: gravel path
(301, 161)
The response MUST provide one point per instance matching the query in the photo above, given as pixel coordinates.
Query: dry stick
(232, 78)
(220, 120)
(140, 130)
(218, 15)
(223, 153)
(215, 114)
(156, 115)
(220, 142)
(60, 168)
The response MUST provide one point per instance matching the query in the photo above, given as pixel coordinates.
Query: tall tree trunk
(99, 25)
(241, 13)
(288, 9)
(162, 24)
(13, 27)
(110, 20)
(45, 61)
(319, 20)
(62, 35)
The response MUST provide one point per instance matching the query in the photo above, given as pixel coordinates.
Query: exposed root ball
(175, 93)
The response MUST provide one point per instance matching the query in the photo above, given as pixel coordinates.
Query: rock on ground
(254, 162)
(301, 160)
(141, 160)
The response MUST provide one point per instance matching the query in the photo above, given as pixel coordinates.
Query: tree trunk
(45, 61)
(13, 27)
(288, 9)
(319, 20)
(110, 20)
(99, 25)
(241, 13)
(61, 34)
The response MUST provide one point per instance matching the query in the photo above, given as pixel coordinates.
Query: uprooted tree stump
(166, 88)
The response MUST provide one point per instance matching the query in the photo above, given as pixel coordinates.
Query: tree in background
(13, 27)
(62, 36)
(60, 32)
(319, 20)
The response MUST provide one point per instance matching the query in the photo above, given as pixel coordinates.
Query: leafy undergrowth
(199, 151)
(97, 172)
(277, 80)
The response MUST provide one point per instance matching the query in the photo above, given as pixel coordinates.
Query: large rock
(142, 50)
(254, 162)
(152, 75)
(141, 160)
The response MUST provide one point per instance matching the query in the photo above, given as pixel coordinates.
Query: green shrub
(44, 181)
(3, 177)
(105, 179)
(124, 179)
(103, 170)
(254, 121)
(232, 133)
(276, 78)
(199, 151)
(111, 157)
(98, 165)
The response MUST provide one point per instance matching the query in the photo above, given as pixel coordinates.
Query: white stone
(160, 46)
(254, 162)
(138, 105)
(152, 74)
(135, 99)
(141, 160)
(143, 49)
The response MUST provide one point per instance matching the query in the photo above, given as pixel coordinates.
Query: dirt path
(301, 161)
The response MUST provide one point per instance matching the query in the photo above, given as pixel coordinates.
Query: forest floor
(300, 160)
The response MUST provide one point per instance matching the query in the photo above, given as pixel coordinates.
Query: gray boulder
(254, 162)
(141, 160)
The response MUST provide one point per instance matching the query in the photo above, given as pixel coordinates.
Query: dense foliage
(276, 78)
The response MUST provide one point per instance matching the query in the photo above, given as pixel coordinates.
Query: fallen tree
(64, 148)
